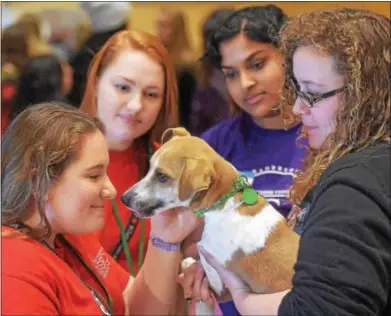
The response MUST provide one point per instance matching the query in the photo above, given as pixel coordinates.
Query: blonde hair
(33, 26)
(180, 49)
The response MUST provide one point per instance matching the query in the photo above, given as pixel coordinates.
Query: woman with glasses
(318, 119)
(339, 61)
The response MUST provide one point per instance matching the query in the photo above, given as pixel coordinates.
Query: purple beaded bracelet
(161, 244)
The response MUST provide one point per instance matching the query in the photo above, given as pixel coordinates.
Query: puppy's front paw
(213, 277)
(187, 263)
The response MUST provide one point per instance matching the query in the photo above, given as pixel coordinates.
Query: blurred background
(144, 14)
(46, 47)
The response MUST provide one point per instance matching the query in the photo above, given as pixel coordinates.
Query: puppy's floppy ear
(172, 132)
(197, 175)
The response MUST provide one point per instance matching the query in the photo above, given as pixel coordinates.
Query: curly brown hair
(359, 41)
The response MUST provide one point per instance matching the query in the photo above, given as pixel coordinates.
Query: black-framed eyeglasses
(311, 100)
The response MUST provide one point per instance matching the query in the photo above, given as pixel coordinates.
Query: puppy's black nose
(126, 199)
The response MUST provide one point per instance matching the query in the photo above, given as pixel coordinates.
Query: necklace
(107, 309)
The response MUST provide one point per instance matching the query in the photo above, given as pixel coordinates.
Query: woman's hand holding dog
(174, 226)
(238, 289)
(245, 301)
(195, 284)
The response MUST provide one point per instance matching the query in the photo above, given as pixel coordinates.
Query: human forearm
(260, 304)
(153, 291)
(180, 305)
(246, 302)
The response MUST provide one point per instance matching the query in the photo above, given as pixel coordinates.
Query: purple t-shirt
(268, 158)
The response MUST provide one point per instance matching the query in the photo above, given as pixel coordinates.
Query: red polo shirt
(36, 281)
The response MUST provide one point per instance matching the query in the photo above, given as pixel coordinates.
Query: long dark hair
(212, 23)
(261, 24)
(41, 80)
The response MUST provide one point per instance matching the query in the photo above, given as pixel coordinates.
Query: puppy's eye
(162, 178)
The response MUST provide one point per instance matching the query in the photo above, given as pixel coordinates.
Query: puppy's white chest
(227, 231)
(219, 236)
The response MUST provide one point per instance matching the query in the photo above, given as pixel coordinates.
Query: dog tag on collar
(249, 196)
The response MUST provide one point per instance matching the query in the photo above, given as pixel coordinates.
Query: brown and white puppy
(252, 240)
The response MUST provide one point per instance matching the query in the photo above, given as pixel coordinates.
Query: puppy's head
(181, 169)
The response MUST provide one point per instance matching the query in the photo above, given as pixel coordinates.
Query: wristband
(167, 246)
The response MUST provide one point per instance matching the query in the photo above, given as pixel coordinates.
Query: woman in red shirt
(54, 186)
(131, 88)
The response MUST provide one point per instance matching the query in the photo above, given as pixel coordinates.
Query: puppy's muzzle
(142, 208)
(127, 199)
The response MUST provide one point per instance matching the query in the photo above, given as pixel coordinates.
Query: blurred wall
(144, 13)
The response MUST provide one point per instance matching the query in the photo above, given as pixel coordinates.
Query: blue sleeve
(229, 309)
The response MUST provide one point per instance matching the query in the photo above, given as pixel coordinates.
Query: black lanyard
(106, 309)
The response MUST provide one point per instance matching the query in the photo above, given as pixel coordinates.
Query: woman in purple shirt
(259, 141)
